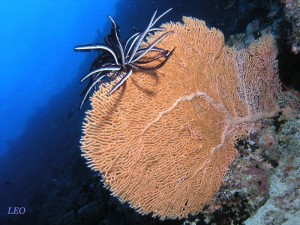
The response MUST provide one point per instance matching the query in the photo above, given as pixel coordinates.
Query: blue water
(37, 60)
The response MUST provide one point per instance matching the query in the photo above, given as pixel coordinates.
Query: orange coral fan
(163, 142)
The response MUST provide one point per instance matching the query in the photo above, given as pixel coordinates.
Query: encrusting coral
(164, 141)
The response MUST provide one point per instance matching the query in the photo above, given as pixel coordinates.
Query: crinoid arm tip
(120, 82)
(84, 48)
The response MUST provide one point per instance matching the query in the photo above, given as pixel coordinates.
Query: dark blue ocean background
(41, 168)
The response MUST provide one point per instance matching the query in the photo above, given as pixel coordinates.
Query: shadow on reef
(288, 62)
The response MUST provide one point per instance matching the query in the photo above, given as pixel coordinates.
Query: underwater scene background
(44, 178)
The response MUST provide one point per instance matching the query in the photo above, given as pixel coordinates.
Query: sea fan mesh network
(164, 141)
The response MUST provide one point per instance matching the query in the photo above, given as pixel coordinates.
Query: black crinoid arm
(118, 60)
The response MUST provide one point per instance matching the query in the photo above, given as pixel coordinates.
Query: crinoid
(117, 60)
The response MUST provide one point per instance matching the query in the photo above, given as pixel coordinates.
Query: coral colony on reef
(164, 141)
